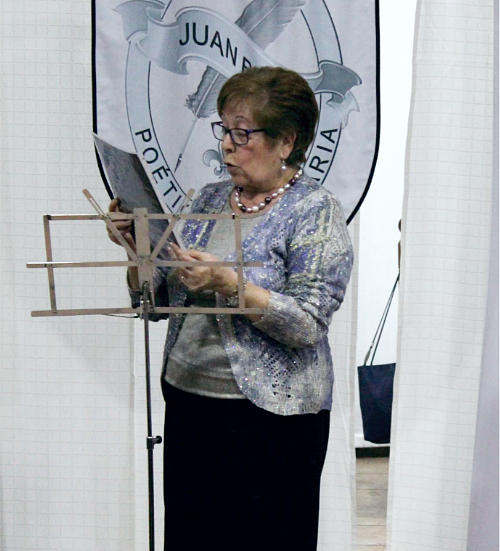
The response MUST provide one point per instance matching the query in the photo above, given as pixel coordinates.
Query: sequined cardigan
(283, 362)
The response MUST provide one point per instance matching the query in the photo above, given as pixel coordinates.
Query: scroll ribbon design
(206, 36)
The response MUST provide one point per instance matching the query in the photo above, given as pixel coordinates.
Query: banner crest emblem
(177, 61)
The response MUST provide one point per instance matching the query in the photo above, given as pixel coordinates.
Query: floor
(371, 496)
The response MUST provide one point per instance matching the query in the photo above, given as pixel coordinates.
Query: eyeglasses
(239, 136)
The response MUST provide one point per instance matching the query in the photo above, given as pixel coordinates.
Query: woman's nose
(227, 143)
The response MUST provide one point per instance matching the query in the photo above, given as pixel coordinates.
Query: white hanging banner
(158, 68)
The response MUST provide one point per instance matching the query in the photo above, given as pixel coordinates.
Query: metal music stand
(145, 259)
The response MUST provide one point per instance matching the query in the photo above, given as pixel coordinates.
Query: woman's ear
(287, 143)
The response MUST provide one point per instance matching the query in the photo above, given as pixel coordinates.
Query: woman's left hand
(198, 278)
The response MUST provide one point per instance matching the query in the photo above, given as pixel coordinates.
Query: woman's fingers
(179, 253)
(193, 277)
(200, 277)
(114, 205)
(198, 255)
(192, 254)
(123, 226)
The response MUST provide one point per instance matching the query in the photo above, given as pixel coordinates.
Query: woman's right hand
(123, 226)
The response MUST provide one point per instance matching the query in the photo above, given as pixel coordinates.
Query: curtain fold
(338, 521)
(484, 515)
(445, 263)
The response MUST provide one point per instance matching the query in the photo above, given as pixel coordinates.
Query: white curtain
(484, 514)
(73, 458)
(338, 522)
(444, 286)
(67, 412)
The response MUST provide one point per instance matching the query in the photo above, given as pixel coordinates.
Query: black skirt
(238, 478)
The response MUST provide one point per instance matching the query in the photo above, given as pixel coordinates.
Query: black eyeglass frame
(229, 131)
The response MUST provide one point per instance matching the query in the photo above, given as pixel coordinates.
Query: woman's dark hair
(281, 101)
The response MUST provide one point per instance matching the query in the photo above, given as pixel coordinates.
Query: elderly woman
(248, 396)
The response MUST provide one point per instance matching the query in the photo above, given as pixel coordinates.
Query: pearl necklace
(256, 208)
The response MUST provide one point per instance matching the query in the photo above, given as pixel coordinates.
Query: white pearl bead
(262, 205)
(274, 195)
(281, 190)
(287, 186)
(255, 209)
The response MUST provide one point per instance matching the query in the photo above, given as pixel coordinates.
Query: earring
(283, 165)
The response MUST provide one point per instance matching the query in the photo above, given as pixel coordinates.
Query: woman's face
(256, 166)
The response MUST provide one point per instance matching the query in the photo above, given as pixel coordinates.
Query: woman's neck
(254, 201)
(257, 193)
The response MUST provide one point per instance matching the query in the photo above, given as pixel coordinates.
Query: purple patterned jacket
(283, 362)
